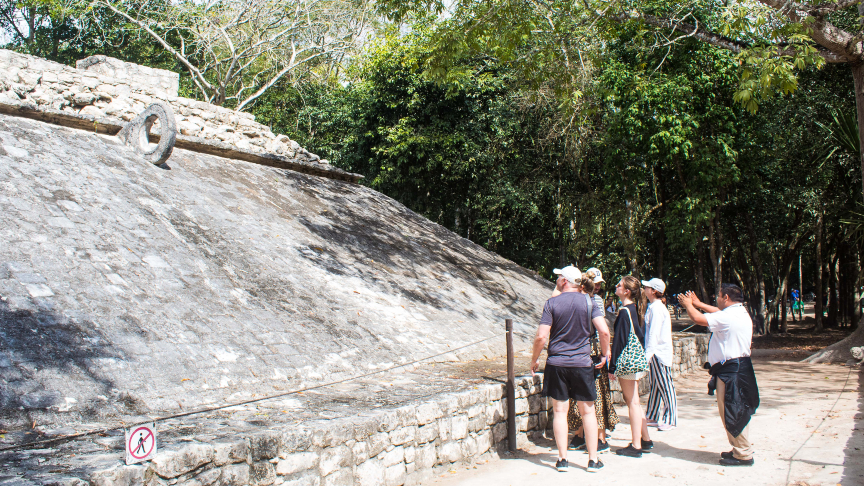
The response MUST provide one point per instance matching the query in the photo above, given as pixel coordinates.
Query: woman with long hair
(607, 419)
(631, 316)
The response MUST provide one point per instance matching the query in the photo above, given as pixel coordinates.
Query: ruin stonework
(130, 291)
(107, 87)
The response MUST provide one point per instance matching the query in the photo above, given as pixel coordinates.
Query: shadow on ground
(853, 461)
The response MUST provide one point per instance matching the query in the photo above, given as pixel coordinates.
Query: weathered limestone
(136, 133)
(105, 87)
(328, 452)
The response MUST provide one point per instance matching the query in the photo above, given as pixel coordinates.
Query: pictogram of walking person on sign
(140, 443)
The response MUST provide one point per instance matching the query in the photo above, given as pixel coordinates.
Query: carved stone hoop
(136, 133)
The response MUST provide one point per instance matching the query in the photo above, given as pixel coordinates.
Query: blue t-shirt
(570, 336)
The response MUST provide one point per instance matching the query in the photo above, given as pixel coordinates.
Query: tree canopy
(700, 141)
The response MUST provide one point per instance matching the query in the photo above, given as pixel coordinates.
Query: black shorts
(565, 383)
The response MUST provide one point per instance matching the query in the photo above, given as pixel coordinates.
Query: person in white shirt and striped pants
(658, 350)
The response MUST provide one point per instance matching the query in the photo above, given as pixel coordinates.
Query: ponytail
(632, 285)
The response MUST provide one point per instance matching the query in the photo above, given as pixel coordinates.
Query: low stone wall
(107, 87)
(388, 447)
(690, 352)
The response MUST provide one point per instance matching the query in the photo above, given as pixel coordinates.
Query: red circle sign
(141, 442)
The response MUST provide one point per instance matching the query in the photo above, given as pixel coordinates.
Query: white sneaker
(665, 427)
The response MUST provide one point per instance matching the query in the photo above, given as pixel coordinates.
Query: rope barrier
(66, 438)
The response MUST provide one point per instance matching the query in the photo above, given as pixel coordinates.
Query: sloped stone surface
(127, 288)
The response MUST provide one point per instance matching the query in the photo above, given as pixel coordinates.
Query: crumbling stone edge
(112, 126)
(388, 447)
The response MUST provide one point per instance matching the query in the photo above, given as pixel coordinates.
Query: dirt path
(806, 432)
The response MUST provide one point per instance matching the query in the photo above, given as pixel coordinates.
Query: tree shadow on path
(853, 461)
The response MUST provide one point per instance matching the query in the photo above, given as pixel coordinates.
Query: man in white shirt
(731, 369)
(658, 350)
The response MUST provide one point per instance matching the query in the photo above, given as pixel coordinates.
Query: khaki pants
(741, 447)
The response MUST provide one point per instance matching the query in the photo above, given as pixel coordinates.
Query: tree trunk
(817, 306)
(784, 311)
(715, 240)
(757, 264)
(700, 270)
(832, 291)
(858, 77)
(660, 251)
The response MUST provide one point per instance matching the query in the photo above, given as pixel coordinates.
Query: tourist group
(583, 356)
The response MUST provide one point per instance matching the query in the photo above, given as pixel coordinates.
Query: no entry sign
(140, 443)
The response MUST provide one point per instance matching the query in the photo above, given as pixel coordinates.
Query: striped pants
(662, 390)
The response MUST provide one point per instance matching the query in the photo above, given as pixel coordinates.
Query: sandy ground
(806, 432)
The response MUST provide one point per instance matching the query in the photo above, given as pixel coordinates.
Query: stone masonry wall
(107, 87)
(388, 447)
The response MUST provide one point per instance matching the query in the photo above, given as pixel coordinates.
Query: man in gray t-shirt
(569, 373)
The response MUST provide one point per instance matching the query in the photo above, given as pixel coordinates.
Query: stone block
(410, 454)
(333, 458)
(469, 447)
(359, 452)
(235, 475)
(532, 423)
(449, 452)
(475, 410)
(296, 462)
(425, 456)
(444, 428)
(459, 427)
(388, 421)
(226, 453)
(262, 473)
(393, 456)
(341, 477)
(484, 441)
(370, 473)
(403, 435)
(407, 415)
(542, 419)
(427, 433)
(476, 423)
(378, 443)
(264, 446)
(536, 403)
(395, 475)
(295, 439)
(449, 405)
(499, 432)
(119, 476)
(170, 464)
(427, 413)
(305, 479)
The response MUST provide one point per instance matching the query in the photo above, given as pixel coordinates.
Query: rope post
(511, 389)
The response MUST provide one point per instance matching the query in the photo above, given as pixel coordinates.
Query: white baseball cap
(656, 284)
(598, 277)
(571, 273)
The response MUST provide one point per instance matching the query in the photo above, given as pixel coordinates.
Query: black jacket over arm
(742, 394)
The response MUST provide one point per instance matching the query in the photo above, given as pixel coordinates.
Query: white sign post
(140, 443)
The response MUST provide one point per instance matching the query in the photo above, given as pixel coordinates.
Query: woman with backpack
(628, 363)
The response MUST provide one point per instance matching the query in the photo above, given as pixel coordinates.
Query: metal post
(511, 389)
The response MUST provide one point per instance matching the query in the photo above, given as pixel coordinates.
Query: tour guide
(569, 373)
(731, 369)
